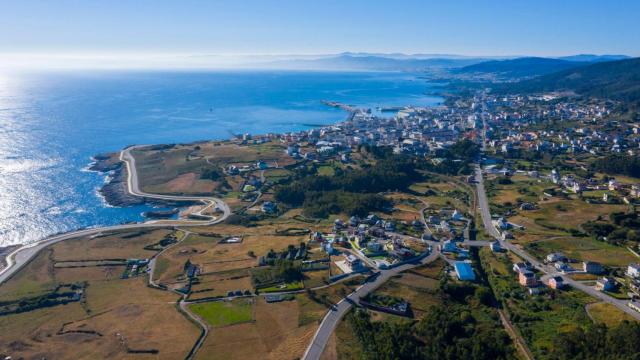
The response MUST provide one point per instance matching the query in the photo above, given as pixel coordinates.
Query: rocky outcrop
(115, 192)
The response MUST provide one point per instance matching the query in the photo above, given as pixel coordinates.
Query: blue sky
(479, 27)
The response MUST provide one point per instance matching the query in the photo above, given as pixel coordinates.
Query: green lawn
(223, 313)
(326, 170)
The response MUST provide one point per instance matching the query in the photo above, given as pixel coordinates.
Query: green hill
(521, 67)
(618, 80)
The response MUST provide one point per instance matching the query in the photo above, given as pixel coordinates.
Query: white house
(614, 185)
(633, 270)
(553, 257)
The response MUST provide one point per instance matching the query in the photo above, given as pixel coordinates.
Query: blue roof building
(464, 271)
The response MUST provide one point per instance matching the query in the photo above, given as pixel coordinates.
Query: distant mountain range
(387, 62)
(505, 66)
(619, 80)
(593, 58)
(521, 67)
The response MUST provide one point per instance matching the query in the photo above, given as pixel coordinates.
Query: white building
(633, 270)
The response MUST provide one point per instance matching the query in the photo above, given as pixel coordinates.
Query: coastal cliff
(115, 191)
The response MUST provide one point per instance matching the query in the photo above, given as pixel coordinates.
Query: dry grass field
(178, 170)
(420, 291)
(211, 286)
(276, 333)
(206, 251)
(121, 245)
(113, 317)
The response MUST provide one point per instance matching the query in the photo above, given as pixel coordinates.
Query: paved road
(21, 256)
(332, 318)
(133, 186)
(549, 271)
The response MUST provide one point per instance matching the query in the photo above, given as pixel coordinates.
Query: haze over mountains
(509, 66)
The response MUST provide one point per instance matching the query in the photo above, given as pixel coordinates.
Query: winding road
(21, 256)
(547, 270)
(335, 314)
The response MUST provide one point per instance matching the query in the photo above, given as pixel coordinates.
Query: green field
(583, 249)
(538, 318)
(607, 314)
(326, 170)
(223, 313)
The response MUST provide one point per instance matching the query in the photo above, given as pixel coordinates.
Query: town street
(483, 204)
(335, 314)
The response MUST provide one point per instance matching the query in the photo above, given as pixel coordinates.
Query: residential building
(495, 246)
(633, 270)
(464, 271)
(554, 257)
(448, 246)
(606, 284)
(556, 282)
(269, 207)
(353, 263)
(592, 267)
(520, 267)
(527, 278)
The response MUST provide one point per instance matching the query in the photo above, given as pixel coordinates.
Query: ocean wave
(15, 166)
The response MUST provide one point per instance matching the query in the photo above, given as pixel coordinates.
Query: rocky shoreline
(115, 191)
(4, 253)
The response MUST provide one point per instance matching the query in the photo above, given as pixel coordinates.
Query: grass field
(607, 314)
(419, 286)
(336, 292)
(113, 310)
(538, 318)
(224, 313)
(178, 169)
(114, 318)
(214, 285)
(275, 333)
(555, 226)
(326, 170)
(583, 249)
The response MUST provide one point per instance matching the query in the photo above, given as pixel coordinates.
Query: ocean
(52, 123)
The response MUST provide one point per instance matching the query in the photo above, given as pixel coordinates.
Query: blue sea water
(52, 123)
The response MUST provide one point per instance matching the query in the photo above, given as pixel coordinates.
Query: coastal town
(505, 198)
(347, 180)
